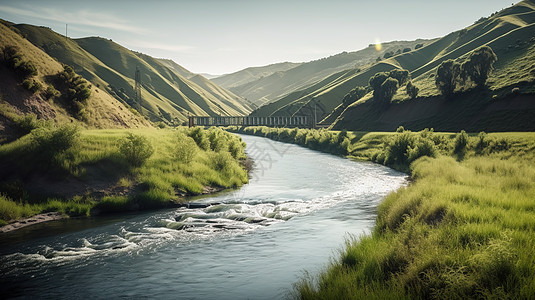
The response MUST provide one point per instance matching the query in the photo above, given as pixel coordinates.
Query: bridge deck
(276, 121)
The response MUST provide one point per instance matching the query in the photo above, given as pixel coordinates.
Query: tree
(354, 95)
(401, 75)
(479, 65)
(388, 54)
(418, 46)
(389, 89)
(376, 81)
(412, 90)
(448, 75)
(384, 87)
(407, 50)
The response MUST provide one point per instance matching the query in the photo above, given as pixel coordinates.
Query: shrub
(398, 147)
(186, 148)
(461, 142)
(136, 149)
(28, 122)
(482, 142)
(412, 90)
(51, 93)
(199, 136)
(50, 143)
(236, 149)
(221, 161)
(418, 46)
(25, 69)
(32, 85)
(423, 147)
(75, 89)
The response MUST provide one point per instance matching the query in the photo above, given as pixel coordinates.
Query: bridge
(274, 121)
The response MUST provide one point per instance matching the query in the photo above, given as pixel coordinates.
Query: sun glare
(378, 45)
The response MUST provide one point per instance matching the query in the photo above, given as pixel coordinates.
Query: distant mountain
(101, 110)
(276, 83)
(209, 76)
(167, 93)
(510, 33)
(234, 80)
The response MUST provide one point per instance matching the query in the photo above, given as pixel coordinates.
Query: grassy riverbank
(464, 228)
(78, 172)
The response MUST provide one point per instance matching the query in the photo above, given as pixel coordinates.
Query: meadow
(463, 228)
(81, 172)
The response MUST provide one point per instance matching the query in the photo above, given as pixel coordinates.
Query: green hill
(510, 33)
(167, 95)
(100, 111)
(281, 83)
(251, 74)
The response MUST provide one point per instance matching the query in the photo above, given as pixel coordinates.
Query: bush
(50, 143)
(28, 122)
(461, 143)
(136, 149)
(221, 161)
(398, 147)
(418, 46)
(51, 93)
(423, 147)
(75, 89)
(32, 85)
(25, 69)
(482, 142)
(199, 136)
(412, 90)
(186, 148)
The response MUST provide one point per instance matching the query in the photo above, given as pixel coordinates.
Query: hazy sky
(216, 37)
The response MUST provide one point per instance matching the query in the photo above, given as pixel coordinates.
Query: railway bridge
(272, 121)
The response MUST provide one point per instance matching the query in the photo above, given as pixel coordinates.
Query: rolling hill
(167, 93)
(251, 74)
(278, 83)
(101, 111)
(510, 33)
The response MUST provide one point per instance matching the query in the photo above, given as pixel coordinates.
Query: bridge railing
(272, 121)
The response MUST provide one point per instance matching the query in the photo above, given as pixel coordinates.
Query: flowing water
(251, 243)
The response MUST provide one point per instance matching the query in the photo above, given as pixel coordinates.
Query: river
(252, 243)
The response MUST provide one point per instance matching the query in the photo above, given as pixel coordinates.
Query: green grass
(107, 180)
(463, 229)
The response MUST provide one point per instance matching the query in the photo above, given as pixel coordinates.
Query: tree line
(451, 77)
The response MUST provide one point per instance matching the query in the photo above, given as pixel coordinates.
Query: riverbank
(463, 229)
(103, 171)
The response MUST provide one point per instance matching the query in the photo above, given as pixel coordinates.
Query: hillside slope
(101, 111)
(508, 32)
(166, 94)
(282, 83)
(511, 35)
(251, 74)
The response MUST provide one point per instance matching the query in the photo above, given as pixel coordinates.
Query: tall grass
(150, 167)
(463, 229)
